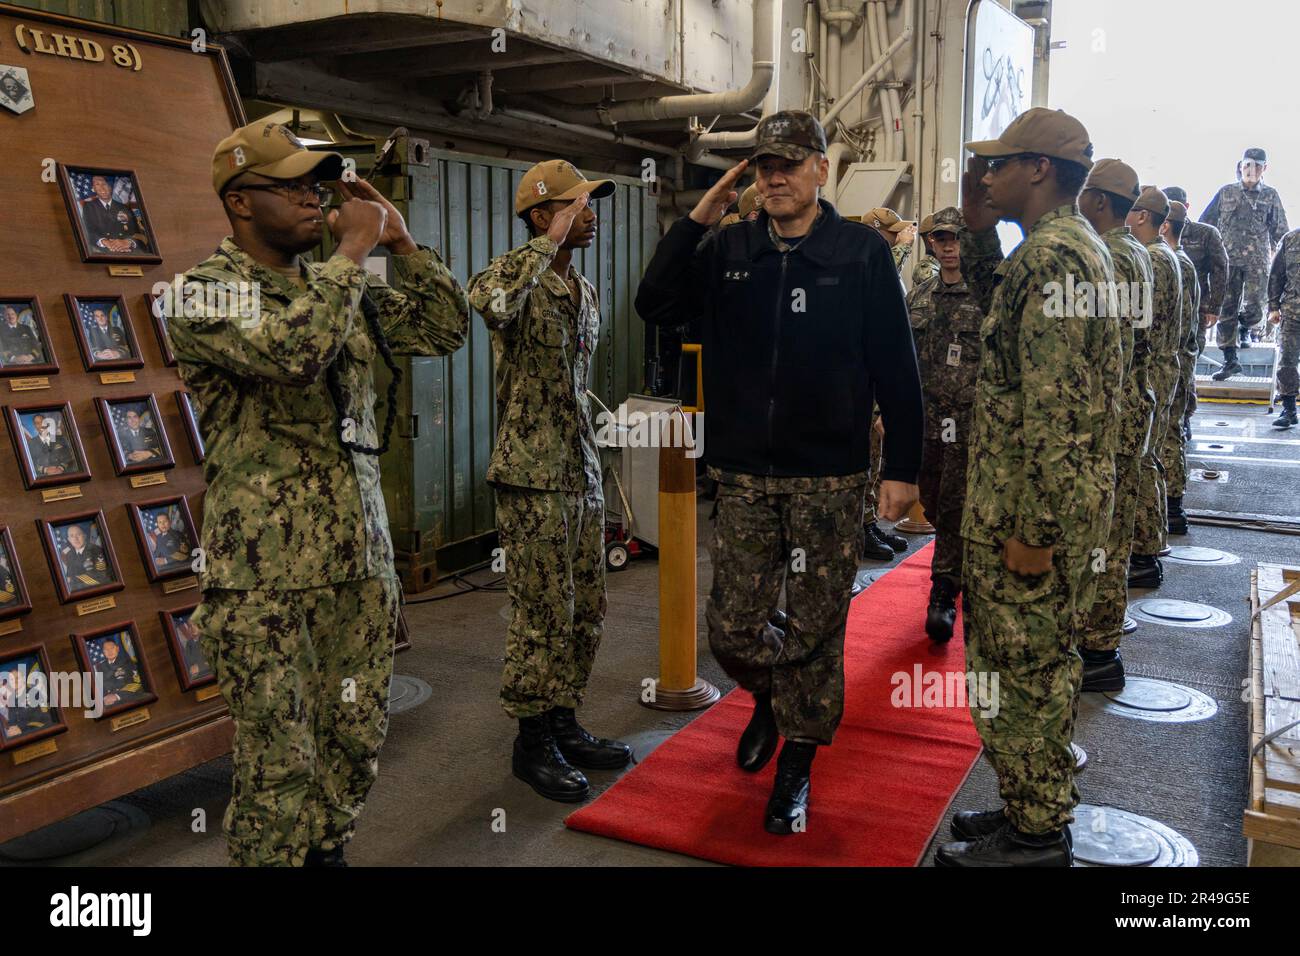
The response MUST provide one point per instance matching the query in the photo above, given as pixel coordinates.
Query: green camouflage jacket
(1132, 264)
(287, 506)
(542, 342)
(946, 322)
(1284, 277)
(1166, 321)
(1191, 304)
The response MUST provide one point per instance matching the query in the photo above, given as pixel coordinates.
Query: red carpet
(878, 793)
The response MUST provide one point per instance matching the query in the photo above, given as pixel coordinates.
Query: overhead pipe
(609, 136)
(865, 78)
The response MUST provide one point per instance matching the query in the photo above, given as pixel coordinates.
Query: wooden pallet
(1272, 818)
(1253, 388)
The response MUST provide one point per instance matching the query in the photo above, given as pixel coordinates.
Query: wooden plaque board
(153, 106)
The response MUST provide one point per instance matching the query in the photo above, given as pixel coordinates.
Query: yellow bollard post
(678, 687)
(915, 522)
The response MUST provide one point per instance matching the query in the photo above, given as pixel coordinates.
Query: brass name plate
(125, 271)
(10, 627)
(180, 584)
(207, 693)
(116, 378)
(100, 604)
(28, 384)
(129, 720)
(44, 748)
(144, 481)
(61, 494)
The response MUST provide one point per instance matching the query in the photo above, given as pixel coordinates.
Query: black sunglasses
(995, 164)
(294, 192)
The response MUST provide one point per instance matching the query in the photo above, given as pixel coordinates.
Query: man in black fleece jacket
(803, 323)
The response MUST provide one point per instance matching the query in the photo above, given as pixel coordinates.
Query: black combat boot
(895, 541)
(971, 825)
(942, 612)
(779, 620)
(1008, 846)
(788, 804)
(1231, 366)
(539, 763)
(1102, 671)
(582, 749)
(319, 857)
(1144, 571)
(1288, 417)
(875, 546)
(1177, 516)
(758, 742)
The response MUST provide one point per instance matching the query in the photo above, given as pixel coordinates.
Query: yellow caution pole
(678, 687)
(915, 522)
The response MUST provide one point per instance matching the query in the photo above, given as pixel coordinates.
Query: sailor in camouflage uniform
(544, 318)
(1284, 311)
(803, 322)
(946, 320)
(1174, 453)
(1204, 246)
(1151, 528)
(1041, 478)
(300, 598)
(1108, 195)
(1250, 217)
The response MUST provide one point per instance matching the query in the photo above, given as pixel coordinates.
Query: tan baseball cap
(882, 217)
(1043, 132)
(272, 150)
(1177, 211)
(750, 200)
(1152, 200)
(1115, 177)
(557, 179)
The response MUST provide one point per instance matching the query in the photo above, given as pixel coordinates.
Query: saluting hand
(713, 204)
(562, 221)
(395, 237)
(975, 210)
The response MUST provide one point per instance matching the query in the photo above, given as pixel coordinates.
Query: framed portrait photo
(135, 435)
(114, 653)
(27, 713)
(82, 560)
(14, 599)
(104, 333)
(166, 534)
(47, 444)
(157, 306)
(24, 341)
(189, 410)
(108, 214)
(192, 667)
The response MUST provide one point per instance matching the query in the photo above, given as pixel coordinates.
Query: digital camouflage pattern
(946, 322)
(1045, 429)
(554, 550)
(1284, 297)
(1151, 528)
(542, 343)
(1174, 453)
(758, 525)
(1102, 625)
(306, 674)
(1251, 222)
(1204, 246)
(287, 505)
(900, 252)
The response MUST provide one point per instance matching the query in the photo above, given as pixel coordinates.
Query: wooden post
(678, 687)
(915, 522)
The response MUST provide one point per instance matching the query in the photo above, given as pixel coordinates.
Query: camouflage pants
(1151, 528)
(872, 496)
(942, 484)
(1244, 303)
(554, 545)
(306, 676)
(1288, 343)
(1021, 628)
(754, 545)
(1173, 451)
(1103, 624)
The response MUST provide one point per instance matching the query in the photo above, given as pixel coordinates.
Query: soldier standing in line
(946, 321)
(1204, 246)
(1108, 195)
(1250, 217)
(1174, 453)
(1284, 310)
(545, 469)
(1041, 479)
(1151, 528)
(300, 596)
(789, 438)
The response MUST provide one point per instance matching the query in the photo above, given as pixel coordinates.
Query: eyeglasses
(995, 164)
(294, 192)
